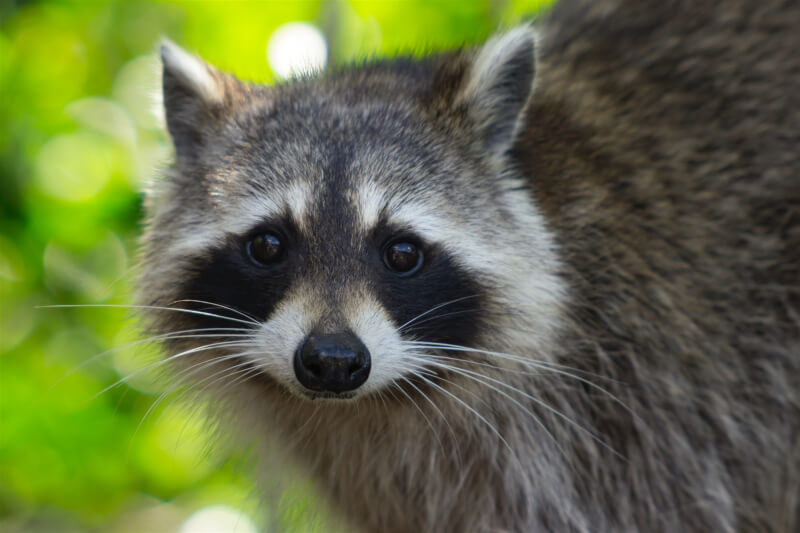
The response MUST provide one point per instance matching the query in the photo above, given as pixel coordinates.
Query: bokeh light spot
(92, 274)
(137, 87)
(74, 167)
(104, 116)
(12, 265)
(296, 47)
(16, 323)
(218, 519)
(138, 363)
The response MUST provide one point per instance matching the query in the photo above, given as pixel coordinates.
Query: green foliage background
(78, 141)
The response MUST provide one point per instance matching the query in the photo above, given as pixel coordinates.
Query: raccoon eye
(265, 248)
(403, 257)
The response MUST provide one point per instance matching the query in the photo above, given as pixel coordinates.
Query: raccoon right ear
(196, 96)
(497, 86)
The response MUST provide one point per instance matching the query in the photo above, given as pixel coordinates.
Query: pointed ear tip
(514, 45)
(167, 49)
(522, 35)
(184, 69)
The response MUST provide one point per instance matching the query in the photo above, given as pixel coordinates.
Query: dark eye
(403, 257)
(265, 248)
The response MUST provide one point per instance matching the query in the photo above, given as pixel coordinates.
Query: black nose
(336, 362)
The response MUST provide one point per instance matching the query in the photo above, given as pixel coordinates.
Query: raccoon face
(351, 221)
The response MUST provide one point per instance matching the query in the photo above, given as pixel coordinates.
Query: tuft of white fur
(369, 202)
(297, 197)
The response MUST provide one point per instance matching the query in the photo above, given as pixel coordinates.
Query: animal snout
(337, 362)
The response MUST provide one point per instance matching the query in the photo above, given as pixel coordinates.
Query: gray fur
(632, 235)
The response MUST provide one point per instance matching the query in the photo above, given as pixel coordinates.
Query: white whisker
(416, 325)
(552, 368)
(431, 310)
(441, 414)
(487, 380)
(253, 320)
(180, 334)
(430, 424)
(187, 373)
(151, 307)
(226, 344)
(476, 413)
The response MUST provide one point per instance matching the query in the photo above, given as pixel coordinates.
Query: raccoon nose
(336, 362)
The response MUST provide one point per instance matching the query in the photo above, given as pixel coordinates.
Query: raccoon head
(351, 221)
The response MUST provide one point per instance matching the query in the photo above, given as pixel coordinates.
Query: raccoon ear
(195, 97)
(497, 86)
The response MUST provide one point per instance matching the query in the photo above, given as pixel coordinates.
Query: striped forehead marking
(200, 232)
(373, 204)
(299, 196)
(370, 204)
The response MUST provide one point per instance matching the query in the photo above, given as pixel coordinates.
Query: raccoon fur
(551, 283)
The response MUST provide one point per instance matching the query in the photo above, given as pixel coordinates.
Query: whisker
(553, 368)
(152, 307)
(253, 320)
(380, 396)
(483, 364)
(544, 386)
(227, 372)
(237, 369)
(450, 314)
(180, 334)
(431, 310)
(511, 357)
(299, 435)
(476, 413)
(430, 424)
(441, 414)
(480, 379)
(127, 377)
(186, 374)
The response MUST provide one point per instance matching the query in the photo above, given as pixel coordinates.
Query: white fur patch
(280, 337)
(298, 197)
(372, 324)
(199, 234)
(241, 216)
(370, 201)
(195, 242)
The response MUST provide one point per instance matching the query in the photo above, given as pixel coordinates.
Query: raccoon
(551, 283)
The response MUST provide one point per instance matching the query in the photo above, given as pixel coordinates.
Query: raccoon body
(550, 284)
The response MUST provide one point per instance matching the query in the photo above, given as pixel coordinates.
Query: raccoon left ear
(497, 86)
(196, 98)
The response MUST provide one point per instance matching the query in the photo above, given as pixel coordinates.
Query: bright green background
(78, 141)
